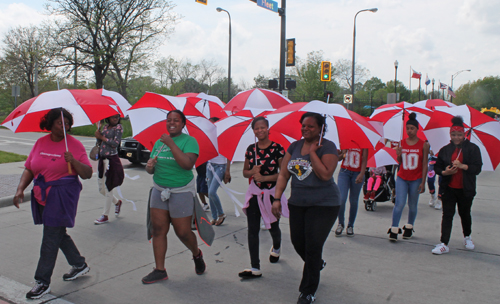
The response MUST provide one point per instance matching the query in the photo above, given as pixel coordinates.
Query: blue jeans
(406, 189)
(347, 185)
(213, 185)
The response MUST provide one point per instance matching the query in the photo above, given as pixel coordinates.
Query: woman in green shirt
(172, 196)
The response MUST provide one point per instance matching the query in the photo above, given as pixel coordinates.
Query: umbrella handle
(69, 169)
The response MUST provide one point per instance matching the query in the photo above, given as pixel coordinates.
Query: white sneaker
(433, 199)
(468, 243)
(206, 207)
(440, 249)
(438, 205)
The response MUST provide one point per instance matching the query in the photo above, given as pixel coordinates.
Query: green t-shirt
(168, 173)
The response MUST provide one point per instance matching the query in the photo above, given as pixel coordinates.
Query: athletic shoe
(199, 264)
(273, 256)
(438, 205)
(155, 276)
(372, 195)
(393, 233)
(367, 195)
(306, 299)
(76, 272)
(349, 231)
(408, 231)
(433, 199)
(250, 274)
(102, 220)
(468, 243)
(38, 291)
(118, 207)
(440, 249)
(206, 207)
(339, 230)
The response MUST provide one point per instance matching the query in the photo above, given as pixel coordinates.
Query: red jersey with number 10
(411, 168)
(352, 160)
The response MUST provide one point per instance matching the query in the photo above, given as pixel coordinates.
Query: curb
(7, 201)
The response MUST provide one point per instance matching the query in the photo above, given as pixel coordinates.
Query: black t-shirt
(268, 158)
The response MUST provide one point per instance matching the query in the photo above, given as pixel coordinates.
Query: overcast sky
(435, 37)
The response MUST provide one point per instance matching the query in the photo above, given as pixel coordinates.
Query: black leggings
(253, 219)
(451, 198)
(309, 229)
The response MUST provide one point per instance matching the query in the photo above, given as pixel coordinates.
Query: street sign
(347, 98)
(16, 91)
(268, 4)
(201, 1)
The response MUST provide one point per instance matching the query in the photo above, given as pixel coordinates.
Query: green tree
(480, 93)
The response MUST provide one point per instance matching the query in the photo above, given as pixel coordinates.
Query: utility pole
(282, 13)
(75, 82)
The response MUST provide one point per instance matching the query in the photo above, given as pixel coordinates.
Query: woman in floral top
(109, 165)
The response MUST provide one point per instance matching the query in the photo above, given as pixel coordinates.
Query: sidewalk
(366, 268)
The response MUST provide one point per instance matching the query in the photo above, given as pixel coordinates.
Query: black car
(133, 150)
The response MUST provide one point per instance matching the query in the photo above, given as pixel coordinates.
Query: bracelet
(277, 199)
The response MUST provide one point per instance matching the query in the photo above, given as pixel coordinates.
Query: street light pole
(229, 60)
(395, 77)
(282, 13)
(353, 82)
(432, 88)
(453, 77)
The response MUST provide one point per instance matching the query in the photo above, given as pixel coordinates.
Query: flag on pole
(427, 80)
(416, 74)
(442, 86)
(451, 93)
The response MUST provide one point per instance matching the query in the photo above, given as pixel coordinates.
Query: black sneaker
(273, 256)
(323, 265)
(350, 231)
(408, 231)
(338, 231)
(306, 299)
(155, 276)
(75, 272)
(38, 291)
(393, 236)
(199, 264)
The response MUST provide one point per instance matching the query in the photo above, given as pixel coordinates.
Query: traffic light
(326, 71)
(201, 1)
(290, 52)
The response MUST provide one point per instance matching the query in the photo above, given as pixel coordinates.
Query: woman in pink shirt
(55, 195)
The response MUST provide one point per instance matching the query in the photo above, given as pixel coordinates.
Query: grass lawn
(7, 157)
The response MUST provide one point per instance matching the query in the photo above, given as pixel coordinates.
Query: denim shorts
(178, 205)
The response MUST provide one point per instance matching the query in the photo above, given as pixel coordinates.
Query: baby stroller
(385, 191)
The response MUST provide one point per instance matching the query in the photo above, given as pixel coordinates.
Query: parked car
(133, 150)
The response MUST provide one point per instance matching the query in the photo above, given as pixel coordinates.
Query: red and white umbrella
(256, 99)
(433, 103)
(391, 115)
(210, 106)
(86, 108)
(148, 117)
(480, 129)
(235, 134)
(346, 129)
(383, 157)
(122, 103)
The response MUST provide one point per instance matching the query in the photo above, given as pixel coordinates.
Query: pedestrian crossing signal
(326, 71)
(290, 52)
(201, 1)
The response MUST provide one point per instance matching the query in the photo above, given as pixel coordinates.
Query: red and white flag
(416, 74)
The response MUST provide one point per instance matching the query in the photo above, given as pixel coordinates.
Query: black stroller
(385, 192)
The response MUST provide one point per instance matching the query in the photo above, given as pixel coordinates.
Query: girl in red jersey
(412, 158)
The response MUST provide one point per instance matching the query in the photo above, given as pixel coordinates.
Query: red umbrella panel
(383, 157)
(256, 99)
(86, 108)
(391, 115)
(148, 117)
(208, 106)
(346, 129)
(480, 129)
(116, 97)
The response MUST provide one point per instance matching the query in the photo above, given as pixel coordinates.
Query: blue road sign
(268, 4)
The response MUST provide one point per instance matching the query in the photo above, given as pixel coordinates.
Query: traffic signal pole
(282, 13)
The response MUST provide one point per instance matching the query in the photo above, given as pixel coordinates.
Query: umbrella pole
(255, 154)
(66, 141)
(322, 132)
